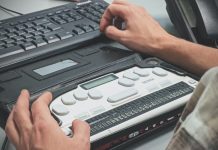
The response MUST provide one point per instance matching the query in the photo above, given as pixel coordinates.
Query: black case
(189, 16)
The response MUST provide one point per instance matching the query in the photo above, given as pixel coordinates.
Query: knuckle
(36, 106)
(27, 128)
(41, 125)
(7, 129)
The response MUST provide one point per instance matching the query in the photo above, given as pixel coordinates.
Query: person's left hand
(38, 130)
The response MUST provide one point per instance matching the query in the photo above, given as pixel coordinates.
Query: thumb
(114, 33)
(81, 131)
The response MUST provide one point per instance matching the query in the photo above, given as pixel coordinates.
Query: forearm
(192, 57)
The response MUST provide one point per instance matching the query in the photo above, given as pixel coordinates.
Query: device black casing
(195, 20)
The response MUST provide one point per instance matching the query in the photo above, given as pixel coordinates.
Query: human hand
(38, 130)
(142, 32)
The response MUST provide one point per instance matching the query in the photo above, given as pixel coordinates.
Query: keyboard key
(20, 27)
(28, 40)
(78, 31)
(26, 36)
(50, 14)
(38, 28)
(64, 35)
(2, 43)
(3, 38)
(69, 19)
(20, 32)
(18, 38)
(44, 31)
(51, 39)
(53, 27)
(87, 28)
(77, 17)
(41, 21)
(28, 25)
(39, 42)
(3, 32)
(10, 51)
(29, 30)
(28, 46)
(94, 26)
(36, 33)
(39, 17)
(11, 35)
(20, 42)
(8, 41)
(10, 30)
(31, 19)
(61, 21)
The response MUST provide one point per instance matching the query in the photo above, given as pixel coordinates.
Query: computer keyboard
(52, 31)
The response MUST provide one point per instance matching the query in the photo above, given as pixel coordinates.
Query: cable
(4, 8)
(5, 143)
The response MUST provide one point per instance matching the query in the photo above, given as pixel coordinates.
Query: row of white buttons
(129, 77)
(127, 81)
(81, 96)
(62, 110)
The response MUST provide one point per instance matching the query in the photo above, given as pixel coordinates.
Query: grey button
(122, 95)
(192, 81)
(141, 72)
(126, 82)
(94, 94)
(131, 76)
(60, 110)
(68, 99)
(80, 95)
(159, 72)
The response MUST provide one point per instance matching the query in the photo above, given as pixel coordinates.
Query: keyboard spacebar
(10, 51)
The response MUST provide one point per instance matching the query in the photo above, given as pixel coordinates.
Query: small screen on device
(46, 70)
(100, 81)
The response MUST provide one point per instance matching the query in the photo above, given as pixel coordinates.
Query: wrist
(165, 44)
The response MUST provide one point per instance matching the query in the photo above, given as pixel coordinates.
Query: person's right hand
(142, 32)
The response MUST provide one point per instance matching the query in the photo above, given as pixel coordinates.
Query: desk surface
(157, 8)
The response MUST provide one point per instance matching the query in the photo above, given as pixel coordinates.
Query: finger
(112, 11)
(81, 131)
(123, 2)
(114, 33)
(40, 110)
(21, 112)
(11, 129)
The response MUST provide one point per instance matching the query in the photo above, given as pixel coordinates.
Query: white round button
(126, 82)
(159, 72)
(131, 76)
(94, 94)
(141, 72)
(60, 110)
(80, 95)
(68, 99)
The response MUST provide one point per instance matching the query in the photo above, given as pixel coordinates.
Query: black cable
(2, 7)
(5, 143)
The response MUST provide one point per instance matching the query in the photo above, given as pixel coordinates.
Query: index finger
(21, 111)
(114, 10)
(40, 109)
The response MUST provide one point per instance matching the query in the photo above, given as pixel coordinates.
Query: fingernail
(24, 91)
